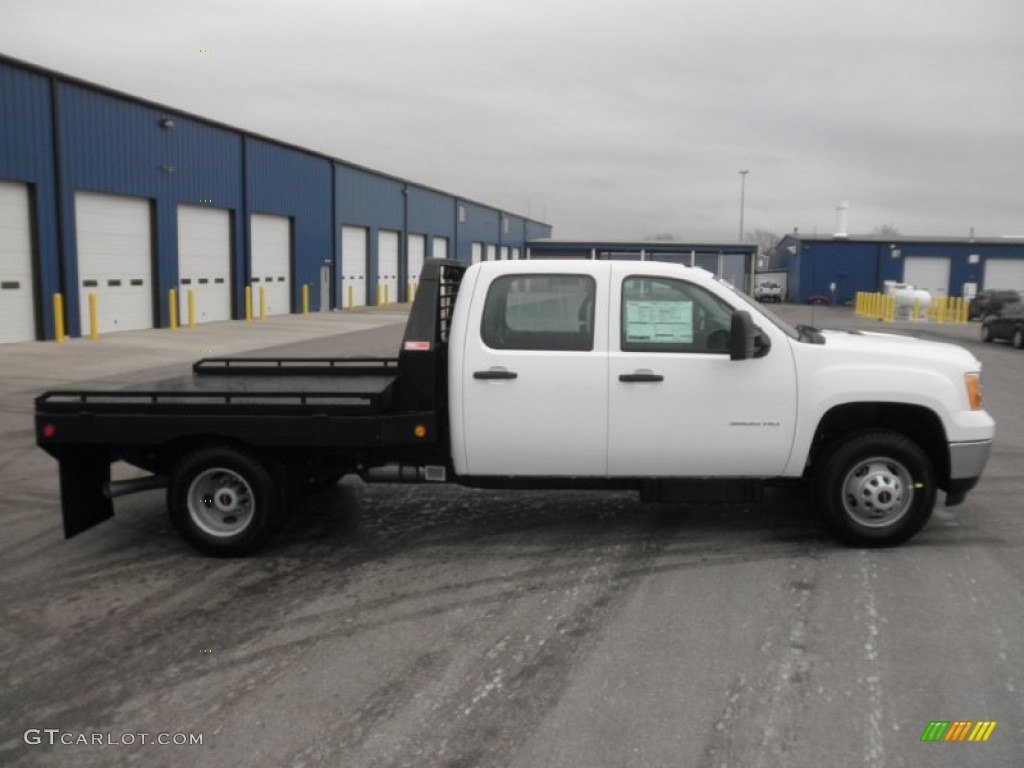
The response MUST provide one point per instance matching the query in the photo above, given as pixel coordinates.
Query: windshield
(781, 324)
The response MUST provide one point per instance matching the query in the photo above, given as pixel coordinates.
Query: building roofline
(175, 111)
(651, 245)
(1004, 240)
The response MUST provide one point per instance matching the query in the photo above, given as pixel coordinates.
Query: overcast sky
(611, 118)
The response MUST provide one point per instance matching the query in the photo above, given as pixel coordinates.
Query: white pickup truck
(549, 374)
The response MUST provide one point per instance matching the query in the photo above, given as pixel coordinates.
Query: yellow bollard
(305, 298)
(263, 303)
(172, 305)
(248, 304)
(967, 310)
(387, 295)
(58, 318)
(94, 320)
(351, 297)
(191, 308)
(379, 294)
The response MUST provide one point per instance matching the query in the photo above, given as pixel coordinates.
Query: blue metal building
(943, 266)
(103, 193)
(730, 261)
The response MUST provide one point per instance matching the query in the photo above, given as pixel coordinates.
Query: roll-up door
(515, 254)
(17, 307)
(204, 263)
(504, 253)
(115, 261)
(353, 266)
(417, 247)
(439, 248)
(478, 250)
(492, 252)
(271, 263)
(387, 267)
(1004, 273)
(929, 273)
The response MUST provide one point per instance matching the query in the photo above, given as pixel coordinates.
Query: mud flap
(83, 471)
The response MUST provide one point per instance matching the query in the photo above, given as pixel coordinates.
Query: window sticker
(659, 322)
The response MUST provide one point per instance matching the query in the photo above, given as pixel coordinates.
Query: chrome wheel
(220, 502)
(877, 492)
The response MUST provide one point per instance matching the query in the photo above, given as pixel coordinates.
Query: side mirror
(746, 340)
(741, 336)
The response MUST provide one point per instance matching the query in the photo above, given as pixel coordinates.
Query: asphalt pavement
(440, 626)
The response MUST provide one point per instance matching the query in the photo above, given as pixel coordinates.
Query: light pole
(743, 191)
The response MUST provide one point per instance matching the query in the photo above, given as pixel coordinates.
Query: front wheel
(875, 489)
(1018, 339)
(986, 334)
(223, 501)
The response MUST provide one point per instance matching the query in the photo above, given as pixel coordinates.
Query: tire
(875, 489)
(224, 502)
(1018, 338)
(986, 334)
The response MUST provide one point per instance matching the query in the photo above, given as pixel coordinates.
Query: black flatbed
(298, 418)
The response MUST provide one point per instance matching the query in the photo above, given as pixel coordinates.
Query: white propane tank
(906, 296)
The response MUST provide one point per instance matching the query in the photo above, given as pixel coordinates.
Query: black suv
(989, 302)
(1007, 324)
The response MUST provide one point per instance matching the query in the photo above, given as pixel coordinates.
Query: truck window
(663, 315)
(540, 312)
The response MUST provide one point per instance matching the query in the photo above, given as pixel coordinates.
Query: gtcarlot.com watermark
(55, 736)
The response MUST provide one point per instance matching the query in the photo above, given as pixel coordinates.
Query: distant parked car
(768, 291)
(990, 301)
(1008, 325)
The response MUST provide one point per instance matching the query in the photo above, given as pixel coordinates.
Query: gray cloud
(620, 118)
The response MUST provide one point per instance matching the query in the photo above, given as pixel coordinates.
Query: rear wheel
(986, 334)
(1018, 338)
(875, 489)
(224, 502)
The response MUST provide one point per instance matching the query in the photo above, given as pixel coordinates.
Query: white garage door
(271, 263)
(114, 261)
(204, 263)
(17, 310)
(515, 254)
(478, 250)
(439, 248)
(387, 267)
(930, 273)
(504, 253)
(353, 266)
(417, 247)
(1004, 273)
(492, 252)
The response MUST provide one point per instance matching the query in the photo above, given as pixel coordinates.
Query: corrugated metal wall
(287, 182)
(26, 155)
(109, 142)
(864, 265)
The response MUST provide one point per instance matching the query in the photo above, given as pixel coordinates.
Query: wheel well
(915, 422)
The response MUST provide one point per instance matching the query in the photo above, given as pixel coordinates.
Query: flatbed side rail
(321, 366)
(77, 401)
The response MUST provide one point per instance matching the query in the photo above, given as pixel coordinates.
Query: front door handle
(638, 376)
(495, 374)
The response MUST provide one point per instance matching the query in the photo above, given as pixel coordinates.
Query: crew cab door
(530, 392)
(678, 406)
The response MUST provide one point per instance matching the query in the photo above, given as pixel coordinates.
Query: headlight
(973, 382)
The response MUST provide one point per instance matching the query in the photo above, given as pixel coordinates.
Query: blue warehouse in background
(109, 195)
(943, 266)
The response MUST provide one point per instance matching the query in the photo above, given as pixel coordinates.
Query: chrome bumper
(967, 460)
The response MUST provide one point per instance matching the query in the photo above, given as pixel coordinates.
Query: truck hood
(906, 348)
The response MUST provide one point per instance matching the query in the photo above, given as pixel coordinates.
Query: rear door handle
(495, 374)
(631, 377)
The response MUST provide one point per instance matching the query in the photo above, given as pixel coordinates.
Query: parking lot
(416, 626)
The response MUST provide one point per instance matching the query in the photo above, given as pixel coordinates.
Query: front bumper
(966, 463)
